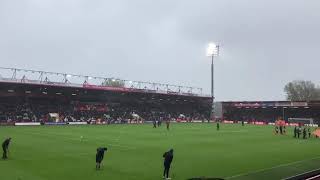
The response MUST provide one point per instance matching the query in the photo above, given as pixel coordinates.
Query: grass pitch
(135, 152)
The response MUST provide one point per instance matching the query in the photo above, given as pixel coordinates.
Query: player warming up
(168, 124)
(154, 124)
(295, 131)
(99, 157)
(5, 147)
(168, 156)
(309, 132)
(304, 133)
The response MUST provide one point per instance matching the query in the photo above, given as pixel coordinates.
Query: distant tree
(113, 83)
(318, 93)
(302, 91)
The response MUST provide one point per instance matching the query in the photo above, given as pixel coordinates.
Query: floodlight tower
(212, 51)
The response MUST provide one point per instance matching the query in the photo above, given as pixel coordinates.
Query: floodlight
(212, 49)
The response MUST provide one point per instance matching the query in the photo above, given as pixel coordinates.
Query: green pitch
(135, 152)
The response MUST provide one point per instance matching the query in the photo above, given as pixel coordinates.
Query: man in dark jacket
(168, 124)
(299, 131)
(168, 156)
(99, 157)
(304, 133)
(295, 131)
(159, 122)
(5, 147)
(309, 132)
(154, 124)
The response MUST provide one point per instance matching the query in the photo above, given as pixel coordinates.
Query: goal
(301, 120)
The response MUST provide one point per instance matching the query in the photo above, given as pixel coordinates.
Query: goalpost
(301, 120)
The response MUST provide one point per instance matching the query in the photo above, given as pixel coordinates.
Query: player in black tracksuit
(168, 124)
(281, 129)
(304, 133)
(295, 132)
(5, 147)
(309, 132)
(168, 156)
(277, 129)
(99, 157)
(299, 132)
(154, 124)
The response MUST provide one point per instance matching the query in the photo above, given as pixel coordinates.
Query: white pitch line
(241, 131)
(121, 146)
(304, 173)
(313, 177)
(274, 167)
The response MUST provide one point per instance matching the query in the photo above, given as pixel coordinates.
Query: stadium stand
(269, 111)
(26, 97)
(25, 100)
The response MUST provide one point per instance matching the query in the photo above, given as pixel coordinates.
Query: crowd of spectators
(75, 111)
(270, 114)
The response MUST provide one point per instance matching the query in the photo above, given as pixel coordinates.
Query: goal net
(301, 121)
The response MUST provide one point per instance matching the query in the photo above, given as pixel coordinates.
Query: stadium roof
(34, 77)
(240, 104)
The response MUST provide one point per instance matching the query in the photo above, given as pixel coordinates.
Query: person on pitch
(168, 124)
(295, 131)
(218, 126)
(309, 132)
(168, 156)
(5, 148)
(304, 133)
(159, 122)
(299, 131)
(277, 129)
(154, 124)
(99, 156)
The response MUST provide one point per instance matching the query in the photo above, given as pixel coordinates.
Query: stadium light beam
(212, 51)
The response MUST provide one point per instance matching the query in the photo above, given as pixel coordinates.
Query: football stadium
(56, 127)
(159, 90)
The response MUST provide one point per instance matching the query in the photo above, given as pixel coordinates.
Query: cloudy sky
(264, 43)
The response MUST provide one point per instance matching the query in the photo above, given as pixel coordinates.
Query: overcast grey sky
(264, 43)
